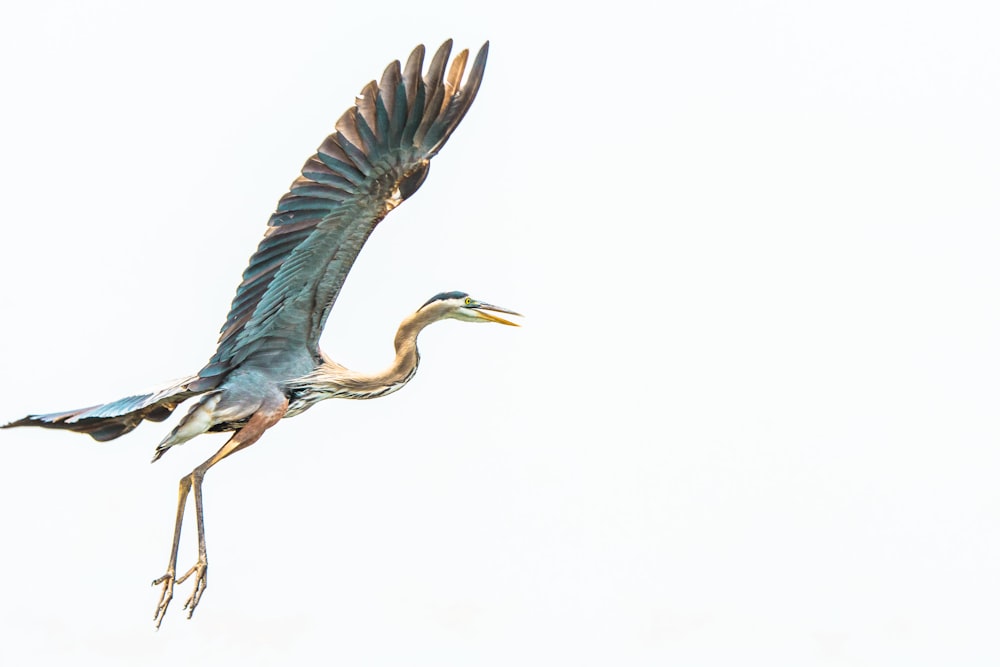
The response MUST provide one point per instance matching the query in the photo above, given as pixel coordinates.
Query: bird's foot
(166, 595)
(200, 584)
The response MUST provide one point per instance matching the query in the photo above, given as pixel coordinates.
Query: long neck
(407, 356)
(333, 380)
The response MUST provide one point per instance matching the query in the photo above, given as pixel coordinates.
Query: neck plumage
(331, 380)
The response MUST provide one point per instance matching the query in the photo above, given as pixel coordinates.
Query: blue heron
(268, 364)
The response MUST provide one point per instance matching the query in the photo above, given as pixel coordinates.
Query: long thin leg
(167, 580)
(201, 567)
(262, 420)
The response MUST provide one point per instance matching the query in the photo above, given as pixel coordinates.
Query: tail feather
(108, 421)
(200, 418)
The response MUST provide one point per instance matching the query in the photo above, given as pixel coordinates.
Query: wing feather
(458, 105)
(455, 71)
(110, 420)
(385, 99)
(336, 159)
(376, 156)
(366, 121)
(416, 94)
(348, 136)
(434, 88)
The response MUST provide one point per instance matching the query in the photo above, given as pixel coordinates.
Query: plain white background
(750, 419)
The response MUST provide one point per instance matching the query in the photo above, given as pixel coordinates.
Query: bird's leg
(201, 567)
(167, 580)
(261, 420)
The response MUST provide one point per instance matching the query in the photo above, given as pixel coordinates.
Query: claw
(166, 595)
(200, 584)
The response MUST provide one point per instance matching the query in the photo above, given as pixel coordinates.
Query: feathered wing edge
(110, 420)
(377, 156)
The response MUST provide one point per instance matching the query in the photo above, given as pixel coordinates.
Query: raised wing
(377, 157)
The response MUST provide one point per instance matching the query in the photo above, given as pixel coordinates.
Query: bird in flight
(268, 364)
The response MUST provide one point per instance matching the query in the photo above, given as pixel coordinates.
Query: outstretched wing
(377, 157)
(110, 420)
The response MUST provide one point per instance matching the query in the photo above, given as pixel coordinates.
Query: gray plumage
(268, 364)
(378, 155)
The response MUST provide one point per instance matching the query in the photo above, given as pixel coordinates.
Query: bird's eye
(468, 300)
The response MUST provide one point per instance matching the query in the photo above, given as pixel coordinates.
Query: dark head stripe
(443, 296)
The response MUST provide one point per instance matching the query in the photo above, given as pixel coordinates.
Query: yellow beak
(482, 307)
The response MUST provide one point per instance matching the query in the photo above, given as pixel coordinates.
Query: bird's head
(461, 306)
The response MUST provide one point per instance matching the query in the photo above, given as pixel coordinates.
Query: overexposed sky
(751, 418)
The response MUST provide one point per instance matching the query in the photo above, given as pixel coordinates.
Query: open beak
(483, 307)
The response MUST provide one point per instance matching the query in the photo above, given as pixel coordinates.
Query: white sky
(750, 419)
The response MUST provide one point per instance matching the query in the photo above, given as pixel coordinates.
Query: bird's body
(268, 364)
